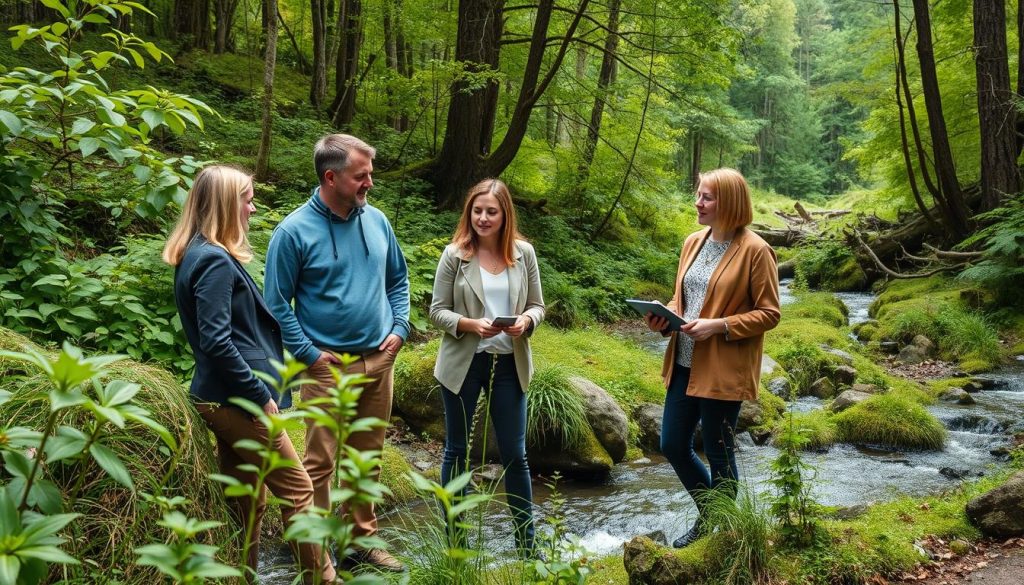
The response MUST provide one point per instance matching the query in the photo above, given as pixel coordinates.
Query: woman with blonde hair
(489, 271)
(233, 334)
(727, 289)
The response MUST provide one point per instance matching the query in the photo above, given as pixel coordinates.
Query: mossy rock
(417, 393)
(892, 421)
(820, 306)
(648, 563)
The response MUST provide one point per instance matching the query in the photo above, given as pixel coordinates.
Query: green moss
(772, 409)
(820, 306)
(394, 472)
(828, 264)
(608, 570)
(891, 420)
(591, 451)
(631, 374)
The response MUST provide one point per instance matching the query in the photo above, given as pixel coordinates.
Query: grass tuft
(891, 420)
(554, 410)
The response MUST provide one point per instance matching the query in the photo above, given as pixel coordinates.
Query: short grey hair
(331, 153)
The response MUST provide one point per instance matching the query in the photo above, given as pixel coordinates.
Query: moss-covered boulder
(893, 421)
(648, 563)
(417, 396)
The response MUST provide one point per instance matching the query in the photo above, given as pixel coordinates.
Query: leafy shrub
(958, 333)
(828, 265)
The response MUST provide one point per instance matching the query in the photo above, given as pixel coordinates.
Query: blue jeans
(506, 404)
(717, 420)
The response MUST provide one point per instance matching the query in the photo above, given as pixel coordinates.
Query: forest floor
(987, 563)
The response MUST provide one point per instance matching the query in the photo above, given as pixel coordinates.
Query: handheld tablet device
(658, 310)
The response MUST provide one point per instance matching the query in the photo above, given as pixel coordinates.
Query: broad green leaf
(83, 312)
(58, 6)
(82, 125)
(88, 145)
(153, 117)
(46, 309)
(12, 122)
(110, 463)
(10, 566)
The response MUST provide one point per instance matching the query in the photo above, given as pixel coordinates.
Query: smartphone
(502, 322)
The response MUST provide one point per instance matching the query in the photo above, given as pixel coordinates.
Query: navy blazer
(228, 325)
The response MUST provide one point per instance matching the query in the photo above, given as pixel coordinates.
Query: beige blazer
(744, 290)
(459, 292)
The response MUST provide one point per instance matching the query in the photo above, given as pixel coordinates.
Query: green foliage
(893, 421)
(84, 445)
(817, 430)
(791, 502)
(75, 156)
(1002, 266)
(184, 560)
(805, 363)
(555, 410)
(565, 562)
(828, 265)
(742, 545)
(958, 333)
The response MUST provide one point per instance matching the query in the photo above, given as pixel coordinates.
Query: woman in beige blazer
(727, 288)
(488, 271)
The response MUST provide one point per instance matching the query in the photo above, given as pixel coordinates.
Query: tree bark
(224, 11)
(318, 83)
(1020, 74)
(269, 62)
(604, 81)
(350, 40)
(901, 86)
(945, 169)
(997, 115)
(696, 154)
(191, 26)
(303, 64)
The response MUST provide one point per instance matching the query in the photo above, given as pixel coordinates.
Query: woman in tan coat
(488, 271)
(727, 289)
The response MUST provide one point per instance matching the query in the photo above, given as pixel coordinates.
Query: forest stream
(643, 497)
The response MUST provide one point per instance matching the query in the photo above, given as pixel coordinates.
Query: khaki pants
(230, 425)
(321, 443)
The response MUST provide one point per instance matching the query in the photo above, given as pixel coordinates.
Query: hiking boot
(376, 557)
(690, 537)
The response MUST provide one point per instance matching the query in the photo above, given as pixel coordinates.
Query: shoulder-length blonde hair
(735, 206)
(465, 237)
(214, 209)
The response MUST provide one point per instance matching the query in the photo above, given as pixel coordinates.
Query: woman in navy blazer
(233, 334)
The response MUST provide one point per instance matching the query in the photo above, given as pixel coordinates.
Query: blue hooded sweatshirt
(348, 279)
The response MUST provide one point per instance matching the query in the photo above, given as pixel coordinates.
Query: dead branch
(803, 212)
(951, 255)
(893, 273)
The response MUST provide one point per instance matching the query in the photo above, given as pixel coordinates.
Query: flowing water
(645, 496)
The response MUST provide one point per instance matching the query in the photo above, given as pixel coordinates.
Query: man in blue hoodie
(338, 259)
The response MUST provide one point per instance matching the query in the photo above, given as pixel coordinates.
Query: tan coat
(459, 292)
(744, 289)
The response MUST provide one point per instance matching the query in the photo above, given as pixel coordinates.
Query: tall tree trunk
(224, 11)
(997, 115)
(1020, 74)
(191, 26)
(350, 40)
(945, 169)
(318, 84)
(269, 62)
(464, 157)
(604, 81)
(696, 154)
(903, 88)
(469, 113)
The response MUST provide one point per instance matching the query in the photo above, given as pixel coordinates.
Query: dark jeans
(717, 420)
(507, 407)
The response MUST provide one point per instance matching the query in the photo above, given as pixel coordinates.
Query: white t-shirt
(497, 303)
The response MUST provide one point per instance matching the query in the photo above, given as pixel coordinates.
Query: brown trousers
(230, 425)
(321, 443)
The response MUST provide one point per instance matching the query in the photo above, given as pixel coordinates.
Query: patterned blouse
(695, 286)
